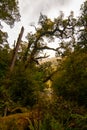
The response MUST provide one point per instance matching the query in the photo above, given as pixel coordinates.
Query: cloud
(30, 12)
(30, 9)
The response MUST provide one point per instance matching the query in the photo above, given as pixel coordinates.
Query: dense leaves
(70, 81)
(82, 24)
(25, 86)
(5, 57)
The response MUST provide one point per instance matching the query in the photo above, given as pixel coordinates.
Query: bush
(71, 79)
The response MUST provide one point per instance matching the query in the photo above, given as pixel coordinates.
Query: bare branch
(50, 76)
(45, 47)
(41, 57)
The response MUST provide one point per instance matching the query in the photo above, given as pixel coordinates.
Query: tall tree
(45, 34)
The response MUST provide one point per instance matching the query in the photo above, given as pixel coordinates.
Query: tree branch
(46, 47)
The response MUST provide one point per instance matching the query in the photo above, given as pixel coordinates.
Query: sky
(30, 12)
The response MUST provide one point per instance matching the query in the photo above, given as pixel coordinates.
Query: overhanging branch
(45, 47)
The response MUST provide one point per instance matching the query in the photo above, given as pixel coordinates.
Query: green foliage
(47, 70)
(49, 123)
(82, 25)
(25, 85)
(3, 37)
(9, 13)
(5, 58)
(80, 121)
(70, 81)
(46, 23)
(63, 114)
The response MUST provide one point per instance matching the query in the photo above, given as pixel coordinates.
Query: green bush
(24, 86)
(71, 79)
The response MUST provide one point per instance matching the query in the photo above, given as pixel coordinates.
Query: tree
(9, 13)
(45, 33)
(5, 57)
(16, 49)
(70, 81)
(25, 86)
(82, 25)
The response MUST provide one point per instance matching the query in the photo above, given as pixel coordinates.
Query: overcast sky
(30, 12)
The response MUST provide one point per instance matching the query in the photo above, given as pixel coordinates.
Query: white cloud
(30, 11)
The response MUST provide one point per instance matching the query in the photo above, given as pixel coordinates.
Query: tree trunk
(16, 49)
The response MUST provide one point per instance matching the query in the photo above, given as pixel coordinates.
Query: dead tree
(16, 49)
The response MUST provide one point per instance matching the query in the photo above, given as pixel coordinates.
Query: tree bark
(16, 49)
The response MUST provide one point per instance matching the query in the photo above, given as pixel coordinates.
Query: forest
(37, 95)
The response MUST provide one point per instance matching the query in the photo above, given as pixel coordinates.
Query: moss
(15, 122)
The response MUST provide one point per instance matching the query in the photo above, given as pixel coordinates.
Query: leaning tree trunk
(6, 82)
(16, 49)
